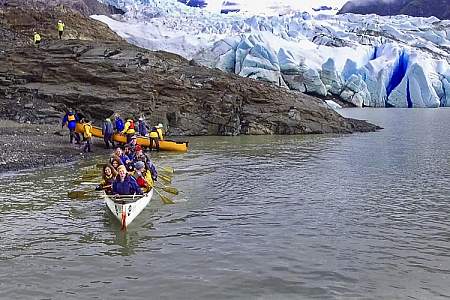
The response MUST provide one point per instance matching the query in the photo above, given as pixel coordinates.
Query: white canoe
(127, 207)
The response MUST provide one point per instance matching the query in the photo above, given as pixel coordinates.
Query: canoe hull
(126, 209)
(165, 145)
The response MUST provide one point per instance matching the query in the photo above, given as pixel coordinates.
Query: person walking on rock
(108, 131)
(36, 39)
(60, 27)
(71, 119)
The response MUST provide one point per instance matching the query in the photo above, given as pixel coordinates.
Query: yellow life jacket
(129, 127)
(154, 134)
(60, 26)
(87, 130)
(160, 133)
(37, 37)
(70, 118)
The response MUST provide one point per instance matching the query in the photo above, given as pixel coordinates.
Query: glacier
(366, 60)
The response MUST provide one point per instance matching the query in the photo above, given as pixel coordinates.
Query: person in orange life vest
(71, 119)
(129, 129)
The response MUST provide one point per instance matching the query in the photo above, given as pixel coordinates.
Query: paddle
(168, 169)
(80, 194)
(169, 189)
(164, 199)
(165, 178)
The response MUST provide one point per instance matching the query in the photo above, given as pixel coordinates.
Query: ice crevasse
(366, 60)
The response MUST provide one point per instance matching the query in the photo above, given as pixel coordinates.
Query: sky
(262, 5)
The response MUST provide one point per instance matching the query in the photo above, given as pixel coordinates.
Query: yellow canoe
(165, 145)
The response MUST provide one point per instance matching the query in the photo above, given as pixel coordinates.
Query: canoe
(127, 207)
(165, 145)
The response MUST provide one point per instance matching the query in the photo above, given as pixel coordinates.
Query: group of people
(59, 27)
(128, 128)
(128, 172)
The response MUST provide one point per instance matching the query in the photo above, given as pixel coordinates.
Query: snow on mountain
(366, 60)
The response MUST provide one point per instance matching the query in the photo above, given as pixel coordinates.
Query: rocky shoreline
(27, 146)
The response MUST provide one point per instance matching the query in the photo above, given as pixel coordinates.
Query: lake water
(362, 216)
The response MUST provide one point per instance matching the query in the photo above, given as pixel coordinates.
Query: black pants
(156, 141)
(108, 139)
(129, 136)
(87, 146)
(60, 34)
(72, 135)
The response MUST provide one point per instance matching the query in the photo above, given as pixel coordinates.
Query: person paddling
(108, 177)
(143, 176)
(125, 184)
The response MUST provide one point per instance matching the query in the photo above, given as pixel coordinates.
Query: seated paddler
(143, 176)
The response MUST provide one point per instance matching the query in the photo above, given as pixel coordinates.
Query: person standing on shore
(71, 120)
(160, 131)
(87, 126)
(129, 129)
(154, 138)
(60, 26)
(108, 131)
(118, 123)
(142, 127)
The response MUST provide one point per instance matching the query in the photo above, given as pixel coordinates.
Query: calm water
(363, 216)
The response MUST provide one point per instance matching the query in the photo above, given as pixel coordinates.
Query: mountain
(417, 8)
(366, 60)
(85, 7)
(97, 73)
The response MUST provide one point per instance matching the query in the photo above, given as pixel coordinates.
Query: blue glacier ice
(375, 61)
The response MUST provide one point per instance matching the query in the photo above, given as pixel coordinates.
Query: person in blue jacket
(142, 127)
(71, 119)
(125, 184)
(119, 126)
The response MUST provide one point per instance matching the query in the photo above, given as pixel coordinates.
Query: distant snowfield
(366, 60)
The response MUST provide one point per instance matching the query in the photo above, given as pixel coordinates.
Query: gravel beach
(25, 146)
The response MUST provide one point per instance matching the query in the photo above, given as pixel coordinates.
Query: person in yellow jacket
(37, 39)
(143, 176)
(154, 138)
(60, 26)
(129, 130)
(87, 126)
(159, 129)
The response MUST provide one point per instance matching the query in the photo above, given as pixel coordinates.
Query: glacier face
(366, 60)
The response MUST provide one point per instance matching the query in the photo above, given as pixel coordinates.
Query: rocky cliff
(97, 73)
